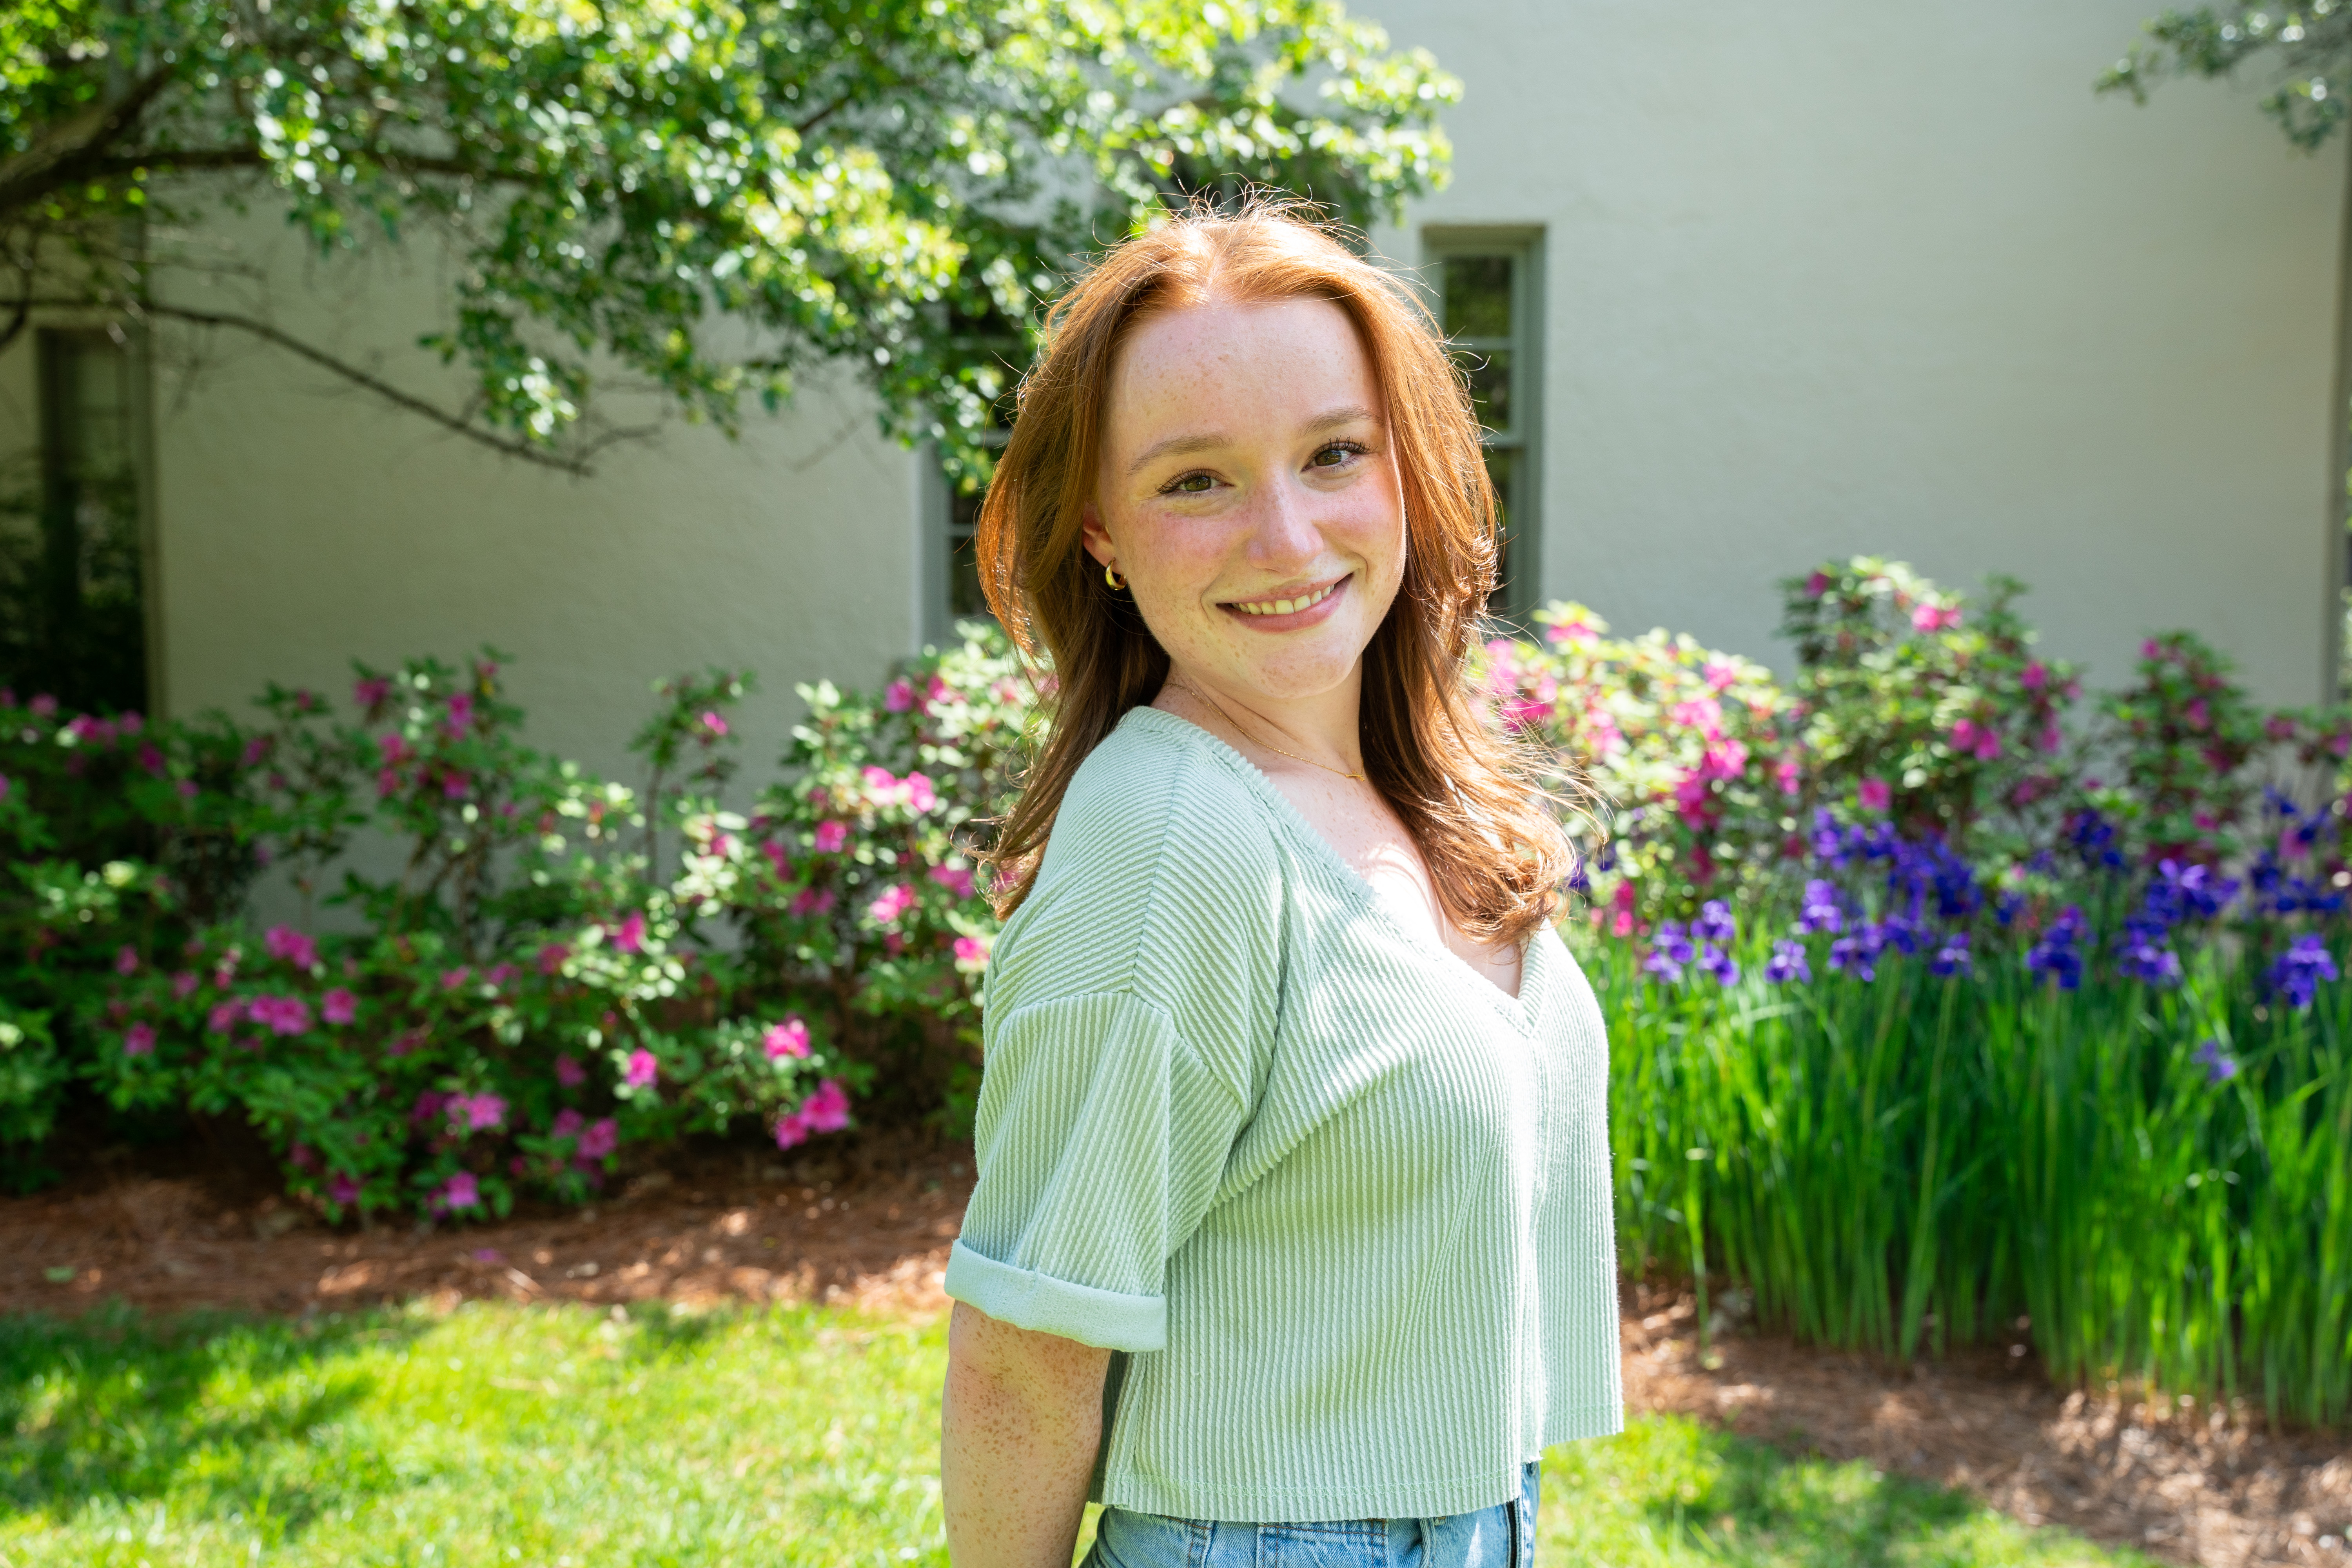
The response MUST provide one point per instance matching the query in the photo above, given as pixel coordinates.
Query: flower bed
(1939, 998)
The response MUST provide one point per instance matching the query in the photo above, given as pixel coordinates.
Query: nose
(1285, 537)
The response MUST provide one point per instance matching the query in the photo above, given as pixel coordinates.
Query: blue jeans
(1502, 1536)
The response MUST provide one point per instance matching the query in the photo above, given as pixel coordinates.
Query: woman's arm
(1021, 1420)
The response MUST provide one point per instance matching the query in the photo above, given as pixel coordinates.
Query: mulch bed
(868, 1222)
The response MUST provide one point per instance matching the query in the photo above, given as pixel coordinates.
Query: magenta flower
(139, 1040)
(3, 786)
(1703, 714)
(387, 783)
(338, 1006)
(152, 760)
(831, 837)
(126, 960)
(714, 724)
(643, 1068)
(280, 1015)
(792, 1129)
(2036, 676)
(895, 900)
(1875, 794)
(1977, 740)
(342, 1190)
(184, 984)
(461, 1193)
(476, 1114)
(368, 694)
(569, 1073)
(1719, 675)
(392, 749)
(499, 975)
(916, 791)
(938, 691)
(629, 936)
(2198, 714)
(255, 751)
(775, 854)
(789, 1038)
(1817, 585)
(226, 1015)
(43, 706)
(899, 695)
(461, 712)
(882, 781)
(286, 943)
(567, 1123)
(602, 1137)
(1787, 774)
(956, 880)
(454, 785)
(1927, 618)
(971, 954)
(827, 1109)
(813, 902)
(551, 957)
(453, 978)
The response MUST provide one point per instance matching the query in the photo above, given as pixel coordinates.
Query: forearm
(1021, 1419)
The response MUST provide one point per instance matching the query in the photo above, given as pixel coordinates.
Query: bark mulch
(869, 1224)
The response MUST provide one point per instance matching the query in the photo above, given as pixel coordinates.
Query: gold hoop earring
(1111, 576)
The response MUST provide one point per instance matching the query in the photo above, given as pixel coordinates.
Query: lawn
(565, 1438)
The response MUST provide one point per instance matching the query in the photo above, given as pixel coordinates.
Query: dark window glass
(71, 618)
(964, 597)
(1503, 471)
(1490, 387)
(1478, 295)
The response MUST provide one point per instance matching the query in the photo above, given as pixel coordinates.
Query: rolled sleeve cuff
(1104, 1318)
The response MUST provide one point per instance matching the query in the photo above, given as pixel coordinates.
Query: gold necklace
(1246, 735)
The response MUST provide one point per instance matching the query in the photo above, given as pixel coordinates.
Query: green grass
(553, 1436)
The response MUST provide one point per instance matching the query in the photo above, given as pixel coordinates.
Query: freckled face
(1248, 494)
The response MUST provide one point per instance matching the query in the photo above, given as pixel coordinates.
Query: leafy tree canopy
(2306, 56)
(709, 194)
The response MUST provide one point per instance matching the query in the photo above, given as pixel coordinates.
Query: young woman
(1291, 1242)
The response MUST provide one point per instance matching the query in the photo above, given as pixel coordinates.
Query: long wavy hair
(1471, 797)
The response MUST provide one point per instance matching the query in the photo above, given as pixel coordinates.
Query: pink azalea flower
(1703, 714)
(126, 960)
(286, 943)
(1788, 773)
(2052, 739)
(792, 1129)
(569, 1073)
(451, 979)
(367, 694)
(813, 902)
(477, 1113)
(827, 1109)
(939, 691)
(551, 957)
(499, 975)
(454, 785)
(342, 1190)
(643, 1068)
(2036, 676)
(567, 1123)
(899, 695)
(1875, 794)
(224, 1016)
(461, 1193)
(392, 749)
(1926, 617)
(789, 1038)
(882, 781)
(43, 706)
(971, 954)
(915, 790)
(1817, 585)
(150, 759)
(775, 854)
(184, 984)
(139, 1040)
(831, 837)
(601, 1139)
(714, 724)
(280, 1015)
(957, 879)
(629, 936)
(1572, 631)
(338, 1006)
(2199, 715)
(895, 900)
(461, 712)
(1719, 675)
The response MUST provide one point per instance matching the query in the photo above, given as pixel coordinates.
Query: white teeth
(1285, 606)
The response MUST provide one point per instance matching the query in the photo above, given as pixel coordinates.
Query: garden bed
(869, 1223)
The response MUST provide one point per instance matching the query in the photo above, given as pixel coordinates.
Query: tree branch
(505, 446)
(59, 158)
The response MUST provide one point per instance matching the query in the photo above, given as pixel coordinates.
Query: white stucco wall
(304, 523)
(1841, 276)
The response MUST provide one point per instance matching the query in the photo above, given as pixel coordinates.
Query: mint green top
(1345, 1202)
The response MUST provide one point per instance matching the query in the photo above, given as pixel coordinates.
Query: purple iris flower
(1670, 950)
(2299, 970)
(1953, 957)
(2059, 953)
(1821, 909)
(1788, 964)
(1714, 922)
(1720, 965)
(2220, 1067)
(1857, 953)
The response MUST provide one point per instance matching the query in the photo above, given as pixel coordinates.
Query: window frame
(1522, 589)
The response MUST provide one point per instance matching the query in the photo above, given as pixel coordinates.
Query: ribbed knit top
(1344, 1202)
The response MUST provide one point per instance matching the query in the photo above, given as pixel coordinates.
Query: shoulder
(1160, 848)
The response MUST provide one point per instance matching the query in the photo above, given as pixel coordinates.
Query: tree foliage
(707, 195)
(2306, 55)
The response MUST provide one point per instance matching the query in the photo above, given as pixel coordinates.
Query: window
(1490, 285)
(72, 612)
(952, 562)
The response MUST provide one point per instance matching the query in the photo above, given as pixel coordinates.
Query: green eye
(1192, 485)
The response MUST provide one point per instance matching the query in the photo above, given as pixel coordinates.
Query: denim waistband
(1502, 1536)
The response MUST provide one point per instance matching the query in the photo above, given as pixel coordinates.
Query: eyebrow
(1181, 446)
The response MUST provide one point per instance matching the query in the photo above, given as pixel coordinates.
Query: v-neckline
(1519, 1009)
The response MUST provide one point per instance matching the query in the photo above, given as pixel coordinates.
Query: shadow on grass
(118, 1406)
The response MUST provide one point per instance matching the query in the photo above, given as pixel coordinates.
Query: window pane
(1478, 295)
(1503, 471)
(1490, 387)
(964, 597)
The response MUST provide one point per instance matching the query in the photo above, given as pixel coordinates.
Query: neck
(1322, 728)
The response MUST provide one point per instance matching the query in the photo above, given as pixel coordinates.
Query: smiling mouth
(1307, 601)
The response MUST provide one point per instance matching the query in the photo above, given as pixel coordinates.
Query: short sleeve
(1101, 1140)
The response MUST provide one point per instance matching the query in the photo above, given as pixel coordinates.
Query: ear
(1096, 537)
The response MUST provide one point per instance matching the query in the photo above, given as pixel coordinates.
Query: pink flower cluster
(956, 880)
(279, 1015)
(789, 1038)
(642, 1070)
(286, 943)
(1979, 740)
(1926, 617)
(832, 837)
(474, 1113)
(914, 792)
(826, 1109)
(972, 955)
(892, 903)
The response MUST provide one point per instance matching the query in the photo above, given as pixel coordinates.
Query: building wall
(1820, 279)
(1845, 277)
